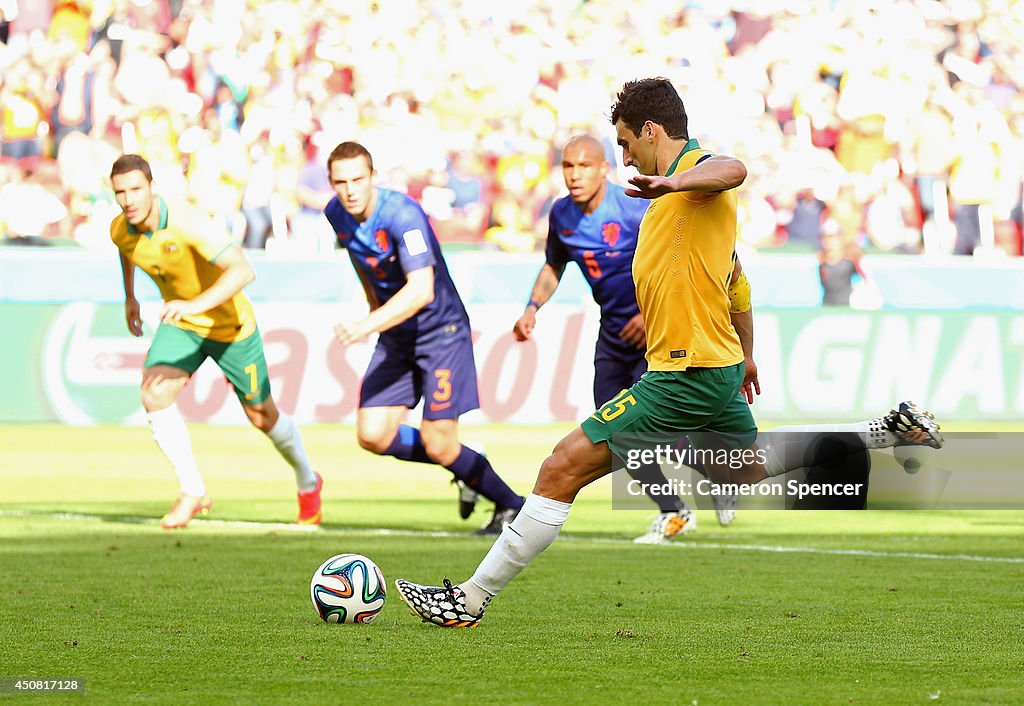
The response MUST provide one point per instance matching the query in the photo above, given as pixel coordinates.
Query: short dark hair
(131, 163)
(349, 150)
(653, 99)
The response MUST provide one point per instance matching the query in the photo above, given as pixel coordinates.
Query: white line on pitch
(385, 532)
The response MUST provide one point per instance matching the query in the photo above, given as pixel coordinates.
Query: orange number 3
(444, 385)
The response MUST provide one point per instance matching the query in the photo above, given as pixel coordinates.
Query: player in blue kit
(596, 227)
(425, 349)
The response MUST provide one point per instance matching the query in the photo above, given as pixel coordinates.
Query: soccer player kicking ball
(596, 227)
(695, 360)
(200, 272)
(425, 349)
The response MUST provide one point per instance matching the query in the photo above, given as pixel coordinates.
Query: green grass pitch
(780, 608)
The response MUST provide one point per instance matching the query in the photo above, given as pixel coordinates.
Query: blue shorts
(441, 370)
(615, 372)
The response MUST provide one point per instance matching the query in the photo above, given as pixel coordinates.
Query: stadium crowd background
(857, 119)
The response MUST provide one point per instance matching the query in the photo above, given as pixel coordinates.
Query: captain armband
(739, 295)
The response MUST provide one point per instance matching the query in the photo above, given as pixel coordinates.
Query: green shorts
(243, 362)
(667, 404)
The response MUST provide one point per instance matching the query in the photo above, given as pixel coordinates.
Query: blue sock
(408, 446)
(475, 471)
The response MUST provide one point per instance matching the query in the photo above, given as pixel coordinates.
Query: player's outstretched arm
(416, 293)
(718, 173)
(132, 312)
(237, 272)
(544, 286)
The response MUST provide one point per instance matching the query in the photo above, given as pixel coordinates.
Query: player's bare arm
(417, 292)
(717, 173)
(634, 332)
(364, 279)
(741, 314)
(237, 273)
(132, 313)
(543, 288)
(744, 325)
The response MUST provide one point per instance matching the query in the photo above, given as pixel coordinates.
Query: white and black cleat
(913, 426)
(441, 605)
(725, 508)
(467, 498)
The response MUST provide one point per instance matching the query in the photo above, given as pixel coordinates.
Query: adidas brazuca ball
(347, 588)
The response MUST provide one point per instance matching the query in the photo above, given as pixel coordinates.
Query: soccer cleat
(725, 508)
(441, 605)
(467, 498)
(501, 519)
(667, 526)
(309, 504)
(913, 426)
(185, 507)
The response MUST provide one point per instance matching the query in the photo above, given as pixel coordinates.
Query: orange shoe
(184, 509)
(309, 504)
(668, 526)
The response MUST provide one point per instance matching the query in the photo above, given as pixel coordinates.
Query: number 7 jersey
(180, 256)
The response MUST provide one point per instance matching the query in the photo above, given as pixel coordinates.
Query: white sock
(172, 437)
(533, 531)
(872, 431)
(286, 438)
(785, 446)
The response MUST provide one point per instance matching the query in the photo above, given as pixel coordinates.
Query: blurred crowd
(883, 126)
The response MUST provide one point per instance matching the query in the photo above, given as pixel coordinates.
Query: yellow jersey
(180, 255)
(682, 266)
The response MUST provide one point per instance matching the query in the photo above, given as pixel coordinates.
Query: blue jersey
(602, 244)
(394, 241)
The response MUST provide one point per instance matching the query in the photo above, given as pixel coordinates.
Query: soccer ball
(913, 458)
(347, 588)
